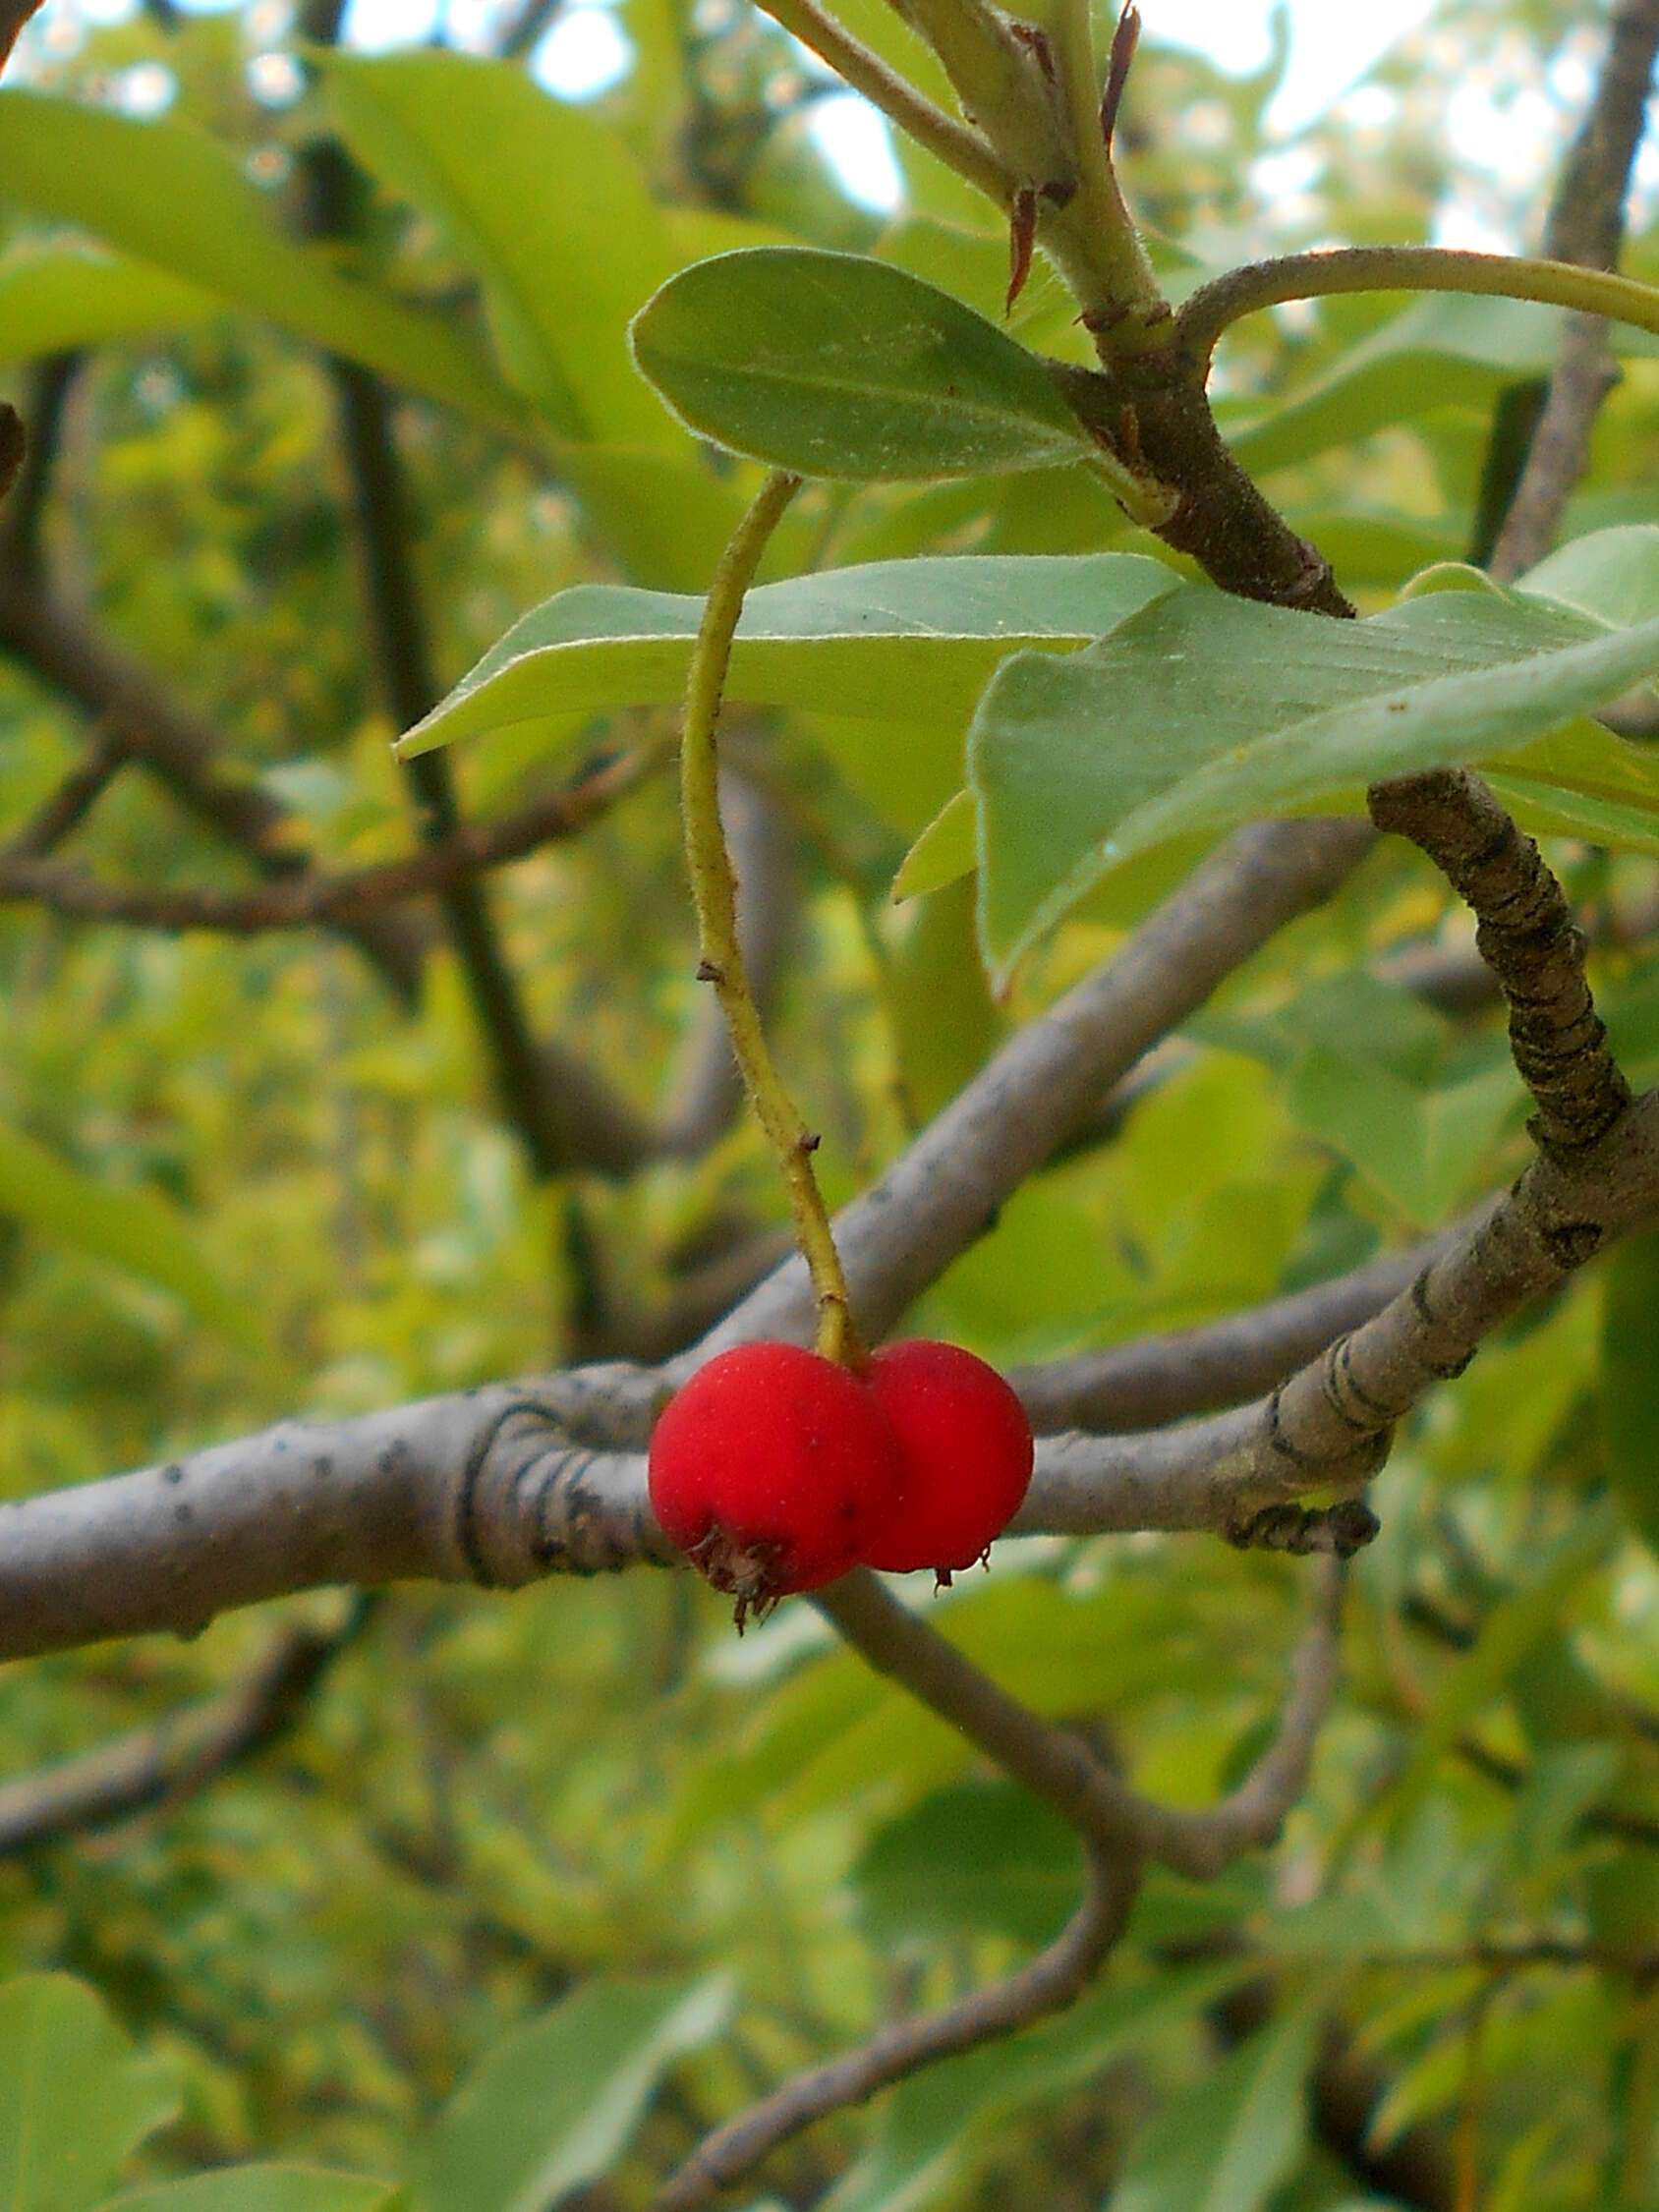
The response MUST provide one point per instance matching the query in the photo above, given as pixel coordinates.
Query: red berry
(774, 1470)
(966, 1451)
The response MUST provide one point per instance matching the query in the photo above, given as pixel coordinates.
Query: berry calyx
(774, 1470)
(965, 1450)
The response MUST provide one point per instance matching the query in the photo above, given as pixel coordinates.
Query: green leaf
(135, 1229)
(74, 2097)
(1629, 1378)
(1374, 552)
(1203, 711)
(553, 2103)
(976, 1858)
(544, 200)
(1442, 351)
(1612, 575)
(1559, 1789)
(941, 2125)
(57, 298)
(1514, 1628)
(1350, 1013)
(836, 366)
(943, 853)
(1421, 1145)
(1224, 2143)
(1346, 1926)
(1171, 1911)
(1581, 782)
(973, 267)
(262, 2189)
(946, 1023)
(166, 194)
(902, 768)
(868, 641)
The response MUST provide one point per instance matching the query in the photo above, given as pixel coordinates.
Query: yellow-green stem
(714, 893)
(1410, 268)
(1092, 235)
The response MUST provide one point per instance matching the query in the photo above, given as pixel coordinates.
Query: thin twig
(175, 1757)
(384, 532)
(63, 647)
(13, 13)
(299, 901)
(63, 811)
(1061, 1769)
(525, 1077)
(524, 35)
(1201, 1843)
(1052, 1763)
(1586, 225)
(1152, 1380)
(14, 447)
(1586, 218)
(1559, 450)
(1119, 1827)
(1051, 1981)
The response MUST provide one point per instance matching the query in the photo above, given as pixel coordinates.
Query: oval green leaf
(1226, 2141)
(835, 366)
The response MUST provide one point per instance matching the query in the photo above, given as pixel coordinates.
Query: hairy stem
(1409, 268)
(714, 890)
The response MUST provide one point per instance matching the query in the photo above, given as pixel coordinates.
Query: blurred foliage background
(487, 1804)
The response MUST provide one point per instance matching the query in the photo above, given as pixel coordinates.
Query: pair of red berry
(776, 1470)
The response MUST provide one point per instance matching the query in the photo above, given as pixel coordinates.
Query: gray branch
(1168, 1377)
(502, 1485)
(1062, 1770)
(1329, 1426)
